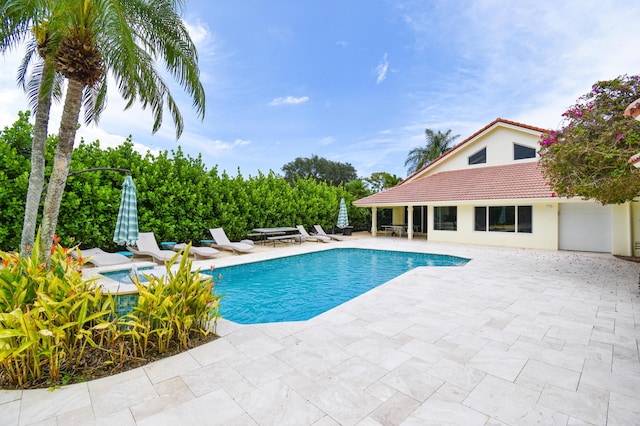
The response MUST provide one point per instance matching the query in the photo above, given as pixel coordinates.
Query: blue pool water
(124, 276)
(297, 288)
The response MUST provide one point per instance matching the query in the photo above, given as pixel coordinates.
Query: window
(503, 219)
(445, 218)
(479, 157)
(520, 152)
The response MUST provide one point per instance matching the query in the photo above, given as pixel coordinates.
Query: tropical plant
(379, 181)
(588, 157)
(437, 144)
(89, 40)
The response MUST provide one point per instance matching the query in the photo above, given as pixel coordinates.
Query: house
(488, 190)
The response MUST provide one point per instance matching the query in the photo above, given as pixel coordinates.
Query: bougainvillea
(588, 157)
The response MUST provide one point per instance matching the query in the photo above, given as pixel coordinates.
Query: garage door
(585, 227)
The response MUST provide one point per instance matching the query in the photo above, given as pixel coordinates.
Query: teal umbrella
(343, 218)
(127, 224)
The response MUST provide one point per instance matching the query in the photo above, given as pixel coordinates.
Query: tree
(437, 144)
(588, 157)
(320, 169)
(123, 38)
(382, 180)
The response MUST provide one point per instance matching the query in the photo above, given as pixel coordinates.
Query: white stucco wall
(544, 226)
(623, 232)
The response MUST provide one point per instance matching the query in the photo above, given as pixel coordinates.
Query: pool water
(124, 276)
(297, 288)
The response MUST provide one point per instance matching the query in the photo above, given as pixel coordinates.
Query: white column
(410, 223)
(374, 221)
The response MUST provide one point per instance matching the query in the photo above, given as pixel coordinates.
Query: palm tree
(437, 144)
(26, 21)
(122, 38)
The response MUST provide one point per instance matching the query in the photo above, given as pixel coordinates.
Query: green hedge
(179, 198)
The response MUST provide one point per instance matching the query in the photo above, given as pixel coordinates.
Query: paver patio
(515, 337)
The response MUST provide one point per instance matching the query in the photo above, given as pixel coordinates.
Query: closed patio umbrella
(343, 218)
(126, 232)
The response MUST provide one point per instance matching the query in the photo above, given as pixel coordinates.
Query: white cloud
(382, 68)
(198, 31)
(327, 140)
(289, 100)
(342, 43)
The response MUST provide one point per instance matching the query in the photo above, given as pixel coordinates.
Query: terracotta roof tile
(520, 180)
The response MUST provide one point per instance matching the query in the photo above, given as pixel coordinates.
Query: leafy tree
(437, 144)
(320, 169)
(588, 157)
(124, 38)
(382, 180)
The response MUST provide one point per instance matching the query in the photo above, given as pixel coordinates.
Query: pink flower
(619, 137)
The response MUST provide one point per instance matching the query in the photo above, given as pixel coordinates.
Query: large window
(479, 157)
(503, 219)
(445, 218)
(520, 152)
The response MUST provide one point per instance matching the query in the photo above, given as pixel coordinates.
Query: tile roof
(519, 180)
(495, 122)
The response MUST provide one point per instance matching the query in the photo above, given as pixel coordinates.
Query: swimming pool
(297, 288)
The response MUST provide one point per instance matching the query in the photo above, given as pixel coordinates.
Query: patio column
(410, 223)
(374, 221)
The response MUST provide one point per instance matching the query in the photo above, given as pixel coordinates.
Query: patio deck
(514, 337)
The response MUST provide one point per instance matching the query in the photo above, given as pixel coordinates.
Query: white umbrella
(343, 218)
(126, 232)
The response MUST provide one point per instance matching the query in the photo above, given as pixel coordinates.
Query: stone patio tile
(159, 371)
(588, 403)
(436, 412)
(10, 412)
(598, 375)
(79, 417)
(623, 410)
(506, 365)
(427, 352)
(277, 404)
(40, 404)
(551, 374)
(345, 404)
(111, 394)
(120, 418)
(216, 376)
(9, 395)
(395, 409)
(359, 372)
(456, 374)
(222, 409)
(171, 393)
(215, 351)
(511, 403)
(413, 380)
(543, 352)
(256, 348)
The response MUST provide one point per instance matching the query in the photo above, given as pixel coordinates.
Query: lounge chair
(222, 242)
(306, 236)
(99, 257)
(198, 252)
(147, 246)
(321, 232)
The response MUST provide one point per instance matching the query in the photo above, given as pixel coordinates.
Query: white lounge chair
(321, 232)
(198, 252)
(306, 236)
(99, 257)
(148, 246)
(222, 242)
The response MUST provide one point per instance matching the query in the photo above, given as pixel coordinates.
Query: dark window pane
(481, 219)
(479, 157)
(520, 152)
(524, 219)
(445, 218)
(502, 219)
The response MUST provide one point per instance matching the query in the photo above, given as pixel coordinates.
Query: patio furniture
(222, 242)
(198, 252)
(99, 257)
(321, 232)
(307, 236)
(147, 246)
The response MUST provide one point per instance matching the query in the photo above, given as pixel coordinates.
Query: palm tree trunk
(61, 163)
(36, 176)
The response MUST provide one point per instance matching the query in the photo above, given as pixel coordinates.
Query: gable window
(445, 218)
(520, 152)
(479, 157)
(503, 219)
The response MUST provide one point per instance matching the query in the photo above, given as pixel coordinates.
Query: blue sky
(358, 81)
